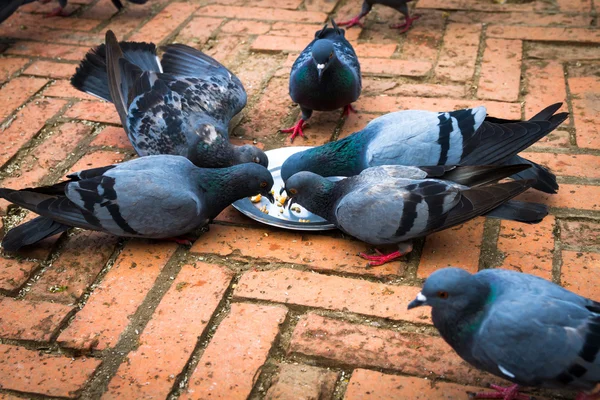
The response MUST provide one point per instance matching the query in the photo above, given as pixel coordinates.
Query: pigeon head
(311, 191)
(256, 179)
(250, 154)
(323, 54)
(450, 290)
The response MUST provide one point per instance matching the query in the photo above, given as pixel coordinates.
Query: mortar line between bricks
(113, 357)
(28, 396)
(478, 60)
(568, 94)
(557, 252)
(180, 383)
(10, 117)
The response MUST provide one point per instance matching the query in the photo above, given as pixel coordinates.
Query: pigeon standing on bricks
(180, 105)
(464, 137)
(399, 5)
(391, 205)
(154, 197)
(517, 326)
(325, 76)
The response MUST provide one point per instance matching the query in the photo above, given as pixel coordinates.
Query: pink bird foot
(295, 130)
(406, 25)
(584, 396)
(180, 240)
(58, 12)
(348, 109)
(380, 258)
(505, 393)
(350, 23)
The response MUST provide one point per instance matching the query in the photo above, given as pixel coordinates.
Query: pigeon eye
(263, 184)
(257, 160)
(442, 295)
(293, 191)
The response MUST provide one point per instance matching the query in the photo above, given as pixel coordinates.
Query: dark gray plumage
(399, 5)
(8, 7)
(181, 105)
(325, 76)
(465, 137)
(391, 205)
(152, 197)
(518, 327)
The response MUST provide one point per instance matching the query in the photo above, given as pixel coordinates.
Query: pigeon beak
(281, 191)
(419, 301)
(289, 201)
(270, 197)
(320, 69)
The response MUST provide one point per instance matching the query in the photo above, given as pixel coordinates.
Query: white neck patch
(320, 66)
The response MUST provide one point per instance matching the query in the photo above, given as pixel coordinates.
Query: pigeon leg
(58, 12)
(505, 393)
(295, 130)
(406, 25)
(380, 258)
(180, 240)
(348, 109)
(366, 7)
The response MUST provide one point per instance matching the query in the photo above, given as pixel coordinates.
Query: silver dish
(287, 219)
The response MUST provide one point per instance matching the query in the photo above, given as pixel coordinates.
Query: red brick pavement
(252, 312)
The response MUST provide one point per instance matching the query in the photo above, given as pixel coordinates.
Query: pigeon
(155, 197)
(180, 105)
(8, 7)
(463, 137)
(62, 4)
(399, 5)
(517, 326)
(325, 76)
(391, 205)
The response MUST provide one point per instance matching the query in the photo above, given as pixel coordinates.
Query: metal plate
(287, 219)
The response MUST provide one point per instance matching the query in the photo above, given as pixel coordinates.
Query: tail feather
(482, 175)
(91, 76)
(521, 211)
(31, 232)
(545, 180)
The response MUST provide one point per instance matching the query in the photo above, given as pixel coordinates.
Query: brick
(244, 28)
(568, 196)
(256, 69)
(584, 6)
(34, 372)
(579, 273)
(26, 320)
(459, 52)
(528, 248)
(334, 293)
(365, 346)
(500, 74)
(274, 102)
(585, 93)
(161, 26)
(376, 86)
(545, 86)
(101, 10)
(581, 165)
(171, 335)
(579, 233)
(481, 6)
(199, 30)
(287, 29)
(548, 34)
(429, 90)
(77, 267)
(106, 314)
(355, 122)
(287, 4)
(291, 247)
(278, 43)
(50, 153)
(14, 273)
(225, 48)
(383, 104)
(423, 40)
(48, 50)
(27, 123)
(97, 159)
(377, 386)
(112, 136)
(562, 52)
(63, 88)
(16, 92)
(9, 66)
(519, 18)
(458, 246)
(302, 382)
(389, 67)
(233, 216)
(97, 111)
(51, 69)
(374, 50)
(230, 364)
(129, 19)
(325, 6)
(266, 14)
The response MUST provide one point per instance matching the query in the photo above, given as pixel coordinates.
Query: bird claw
(295, 130)
(505, 393)
(406, 25)
(380, 258)
(348, 109)
(58, 12)
(350, 23)
(180, 240)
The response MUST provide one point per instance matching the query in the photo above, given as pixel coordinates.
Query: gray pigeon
(185, 110)
(8, 7)
(518, 327)
(464, 137)
(391, 205)
(399, 5)
(151, 197)
(325, 76)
